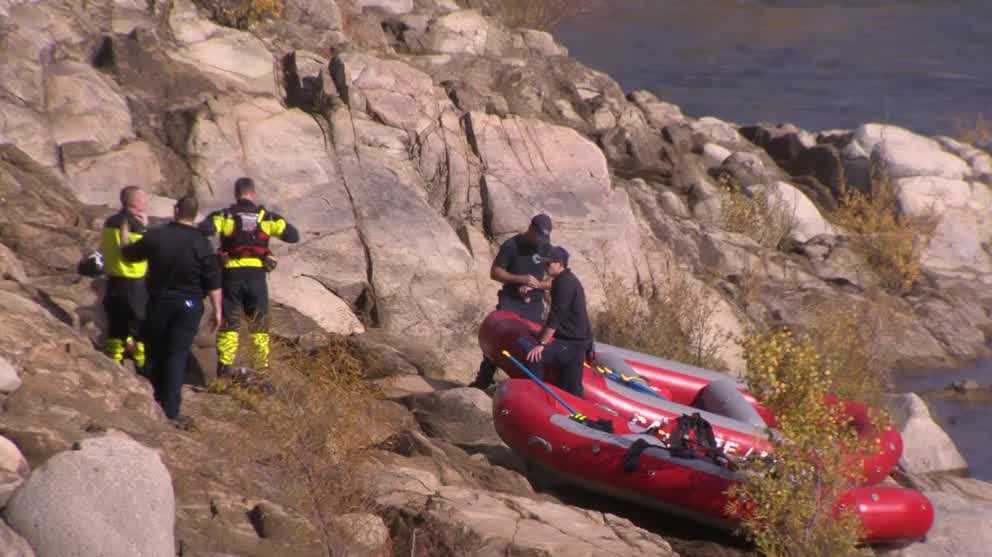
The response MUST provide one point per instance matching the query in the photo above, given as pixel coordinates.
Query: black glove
(591, 355)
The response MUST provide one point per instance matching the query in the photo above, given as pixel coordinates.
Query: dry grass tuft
(675, 322)
(764, 218)
(314, 410)
(891, 242)
(974, 132)
(242, 14)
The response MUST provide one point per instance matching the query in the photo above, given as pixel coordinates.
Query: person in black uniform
(245, 229)
(566, 338)
(519, 267)
(182, 269)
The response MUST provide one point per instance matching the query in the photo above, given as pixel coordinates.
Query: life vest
(248, 239)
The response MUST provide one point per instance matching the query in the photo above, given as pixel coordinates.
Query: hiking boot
(183, 423)
(255, 379)
(223, 371)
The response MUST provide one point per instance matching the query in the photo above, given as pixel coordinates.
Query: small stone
(13, 470)
(965, 385)
(10, 381)
(270, 522)
(13, 545)
(364, 530)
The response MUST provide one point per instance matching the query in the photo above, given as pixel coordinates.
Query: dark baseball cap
(557, 253)
(541, 224)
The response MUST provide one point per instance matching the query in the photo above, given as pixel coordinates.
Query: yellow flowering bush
(787, 501)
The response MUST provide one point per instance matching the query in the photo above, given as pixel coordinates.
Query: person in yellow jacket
(245, 230)
(126, 296)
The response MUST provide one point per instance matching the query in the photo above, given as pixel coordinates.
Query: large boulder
(962, 209)
(926, 447)
(98, 180)
(29, 131)
(11, 267)
(58, 366)
(421, 124)
(31, 32)
(13, 469)
(461, 32)
(85, 108)
(978, 158)
(805, 220)
(463, 416)
(234, 60)
(11, 544)
(422, 275)
(658, 113)
(487, 522)
(396, 94)
(10, 380)
(906, 154)
(531, 167)
(393, 7)
(962, 519)
(112, 496)
(367, 532)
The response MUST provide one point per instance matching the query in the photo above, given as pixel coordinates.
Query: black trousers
(172, 322)
(246, 291)
(533, 311)
(567, 356)
(125, 302)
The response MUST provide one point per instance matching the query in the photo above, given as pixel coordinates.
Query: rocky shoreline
(406, 138)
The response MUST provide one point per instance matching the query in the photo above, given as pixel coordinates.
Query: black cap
(541, 224)
(558, 254)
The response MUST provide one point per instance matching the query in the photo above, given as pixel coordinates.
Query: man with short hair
(518, 266)
(566, 338)
(125, 296)
(182, 270)
(245, 229)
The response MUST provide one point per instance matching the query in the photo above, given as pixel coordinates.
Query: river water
(963, 417)
(923, 64)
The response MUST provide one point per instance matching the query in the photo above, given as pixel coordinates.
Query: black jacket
(180, 261)
(568, 315)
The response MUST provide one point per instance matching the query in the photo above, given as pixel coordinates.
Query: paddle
(540, 383)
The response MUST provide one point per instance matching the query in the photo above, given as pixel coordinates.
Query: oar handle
(540, 383)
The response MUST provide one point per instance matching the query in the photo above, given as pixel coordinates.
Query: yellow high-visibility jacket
(114, 229)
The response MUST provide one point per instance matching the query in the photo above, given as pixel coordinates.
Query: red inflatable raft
(540, 429)
(642, 389)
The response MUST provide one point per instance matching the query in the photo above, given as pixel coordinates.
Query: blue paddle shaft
(540, 383)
